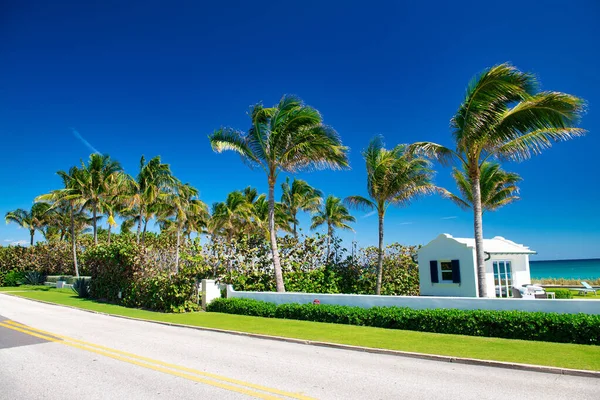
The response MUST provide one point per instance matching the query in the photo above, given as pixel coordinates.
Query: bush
(81, 286)
(561, 293)
(12, 278)
(548, 327)
(113, 269)
(165, 292)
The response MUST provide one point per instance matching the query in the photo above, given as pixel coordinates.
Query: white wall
(419, 302)
(443, 248)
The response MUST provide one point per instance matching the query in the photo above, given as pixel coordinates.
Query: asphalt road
(50, 352)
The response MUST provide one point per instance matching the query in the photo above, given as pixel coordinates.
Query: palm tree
(34, 220)
(182, 207)
(232, 216)
(498, 187)
(98, 176)
(504, 116)
(74, 195)
(260, 213)
(335, 215)
(153, 182)
(299, 196)
(394, 177)
(287, 137)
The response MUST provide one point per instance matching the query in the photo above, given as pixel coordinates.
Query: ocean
(567, 269)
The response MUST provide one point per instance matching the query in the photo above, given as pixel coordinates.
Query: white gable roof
(497, 245)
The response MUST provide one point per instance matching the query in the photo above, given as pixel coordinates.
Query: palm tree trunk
(144, 232)
(273, 236)
(478, 226)
(294, 219)
(139, 227)
(95, 212)
(109, 230)
(329, 233)
(177, 250)
(31, 234)
(380, 257)
(73, 241)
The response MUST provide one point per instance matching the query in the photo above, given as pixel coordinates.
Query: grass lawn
(541, 353)
(589, 296)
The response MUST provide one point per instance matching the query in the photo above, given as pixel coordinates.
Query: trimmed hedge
(561, 293)
(547, 327)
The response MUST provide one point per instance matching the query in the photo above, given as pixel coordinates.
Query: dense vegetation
(548, 327)
(503, 116)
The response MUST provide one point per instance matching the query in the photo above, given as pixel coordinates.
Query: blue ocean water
(567, 269)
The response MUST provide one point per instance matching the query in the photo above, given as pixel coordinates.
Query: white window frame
(440, 275)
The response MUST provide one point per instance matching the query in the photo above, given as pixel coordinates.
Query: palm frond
(436, 151)
(359, 203)
(533, 143)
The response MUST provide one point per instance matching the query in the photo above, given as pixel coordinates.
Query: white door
(503, 278)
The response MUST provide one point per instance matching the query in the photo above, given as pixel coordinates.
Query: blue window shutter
(456, 271)
(434, 271)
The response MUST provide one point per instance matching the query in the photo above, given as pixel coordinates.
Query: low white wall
(426, 302)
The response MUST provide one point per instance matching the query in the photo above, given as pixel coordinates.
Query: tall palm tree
(299, 196)
(74, 195)
(153, 182)
(498, 187)
(394, 177)
(287, 137)
(334, 215)
(34, 220)
(504, 116)
(98, 175)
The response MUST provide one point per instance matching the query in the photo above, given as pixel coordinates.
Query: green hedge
(561, 293)
(548, 327)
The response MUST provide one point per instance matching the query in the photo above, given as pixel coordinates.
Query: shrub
(561, 293)
(12, 278)
(33, 278)
(113, 269)
(81, 286)
(549, 327)
(165, 292)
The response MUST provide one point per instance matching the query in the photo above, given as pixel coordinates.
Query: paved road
(50, 352)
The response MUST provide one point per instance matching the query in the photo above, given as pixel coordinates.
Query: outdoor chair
(587, 288)
(516, 293)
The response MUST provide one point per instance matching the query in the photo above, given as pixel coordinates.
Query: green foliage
(48, 258)
(548, 327)
(81, 286)
(561, 293)
(246, 265)
(113, 268)
(165, 292)
(33, 278)
(137, 273)
(11, 278)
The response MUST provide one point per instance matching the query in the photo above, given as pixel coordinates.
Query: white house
(448, 266)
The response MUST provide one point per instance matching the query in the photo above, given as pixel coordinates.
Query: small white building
(448, 267)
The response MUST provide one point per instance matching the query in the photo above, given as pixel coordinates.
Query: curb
(423, 356)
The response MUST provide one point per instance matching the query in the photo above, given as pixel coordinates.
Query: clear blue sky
(155, 78)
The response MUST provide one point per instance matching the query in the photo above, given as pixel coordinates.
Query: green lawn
(528, 352)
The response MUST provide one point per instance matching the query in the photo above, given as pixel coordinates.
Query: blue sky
(155, 78)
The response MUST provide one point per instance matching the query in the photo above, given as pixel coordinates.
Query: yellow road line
(165, 364)
(159, 367)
